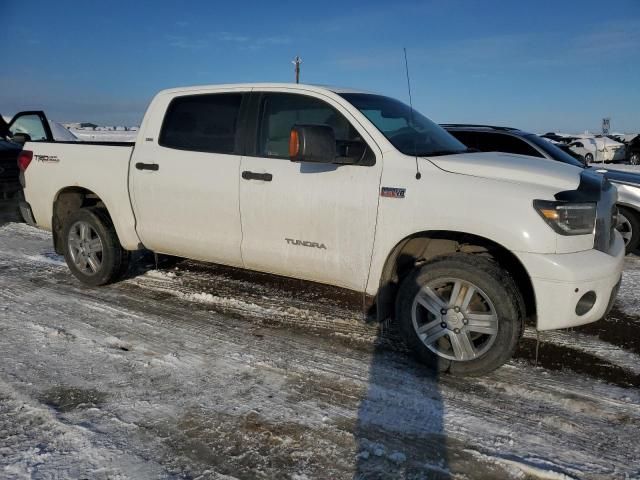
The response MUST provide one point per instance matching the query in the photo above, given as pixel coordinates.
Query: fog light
(586, 303)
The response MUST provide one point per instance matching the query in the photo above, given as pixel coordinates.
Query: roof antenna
(406, 68)
(297, 61)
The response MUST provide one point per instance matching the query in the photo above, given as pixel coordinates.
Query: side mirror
(21, 138)
(312, 143)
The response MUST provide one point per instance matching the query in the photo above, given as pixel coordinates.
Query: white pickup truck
(346, 188)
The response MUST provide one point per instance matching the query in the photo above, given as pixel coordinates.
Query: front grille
(606, 218)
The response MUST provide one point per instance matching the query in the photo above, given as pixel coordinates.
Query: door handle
(265, 177)
(148, 166)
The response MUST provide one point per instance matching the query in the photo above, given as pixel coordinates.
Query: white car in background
(585, 147)
(598, 149)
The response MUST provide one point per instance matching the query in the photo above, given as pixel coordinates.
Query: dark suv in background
(486, 138)
(10, 189)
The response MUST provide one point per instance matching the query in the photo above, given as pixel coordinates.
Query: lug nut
(456, 330)
(443, 311)
(465, 321)
(457, 309)
(443, 325)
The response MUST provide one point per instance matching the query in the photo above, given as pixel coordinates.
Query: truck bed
(101, 168)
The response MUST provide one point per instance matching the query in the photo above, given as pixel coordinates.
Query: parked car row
(593, 148)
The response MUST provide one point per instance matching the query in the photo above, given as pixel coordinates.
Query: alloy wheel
(625, 228)
(454, 319)
(85, 247)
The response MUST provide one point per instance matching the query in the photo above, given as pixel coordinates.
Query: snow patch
(532, 467)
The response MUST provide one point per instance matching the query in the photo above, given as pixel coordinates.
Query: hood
(512, 168)
(619, 176)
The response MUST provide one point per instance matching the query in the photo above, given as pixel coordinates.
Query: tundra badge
(305, 243)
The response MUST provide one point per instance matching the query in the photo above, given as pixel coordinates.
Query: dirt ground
(200, 371)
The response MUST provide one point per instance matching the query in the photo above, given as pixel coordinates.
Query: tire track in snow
(221, 362)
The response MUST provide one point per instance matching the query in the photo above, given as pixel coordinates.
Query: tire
(496, 297)
(629, 228)
(87, 234)
(588, 158)
(635, 158)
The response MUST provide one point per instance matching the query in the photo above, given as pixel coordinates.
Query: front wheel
(91, 247)
(460, 313)
(635, 158)
(588, 158)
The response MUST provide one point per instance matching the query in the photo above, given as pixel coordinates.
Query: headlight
(568, 218)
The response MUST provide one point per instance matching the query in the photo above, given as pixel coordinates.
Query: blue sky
(539, 65)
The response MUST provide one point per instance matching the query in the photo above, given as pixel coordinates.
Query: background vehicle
(633, 150)
(13, 134)
(612, 150)
(511, 140)
(346, 188)
(586, 148)
(568, 150)
(10, 189)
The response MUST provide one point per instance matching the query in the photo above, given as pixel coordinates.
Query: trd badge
(392, 192)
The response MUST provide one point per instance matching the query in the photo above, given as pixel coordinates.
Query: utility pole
(297, 61)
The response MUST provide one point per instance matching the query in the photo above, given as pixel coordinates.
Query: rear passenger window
(499, 142)
(202, 123)
(281, 111)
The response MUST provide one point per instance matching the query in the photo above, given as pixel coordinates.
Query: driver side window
(279, 112)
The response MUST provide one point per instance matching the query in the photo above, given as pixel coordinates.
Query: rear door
(310, 221)
(184, 177)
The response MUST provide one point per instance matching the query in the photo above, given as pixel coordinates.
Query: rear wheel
(629, 228)
(91, 247)
(635, 158)
(588, 158)
(460, 313)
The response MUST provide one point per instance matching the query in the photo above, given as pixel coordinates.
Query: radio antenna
(406, 68)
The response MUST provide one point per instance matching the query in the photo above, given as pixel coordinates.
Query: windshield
(409, 131)
(553, 151)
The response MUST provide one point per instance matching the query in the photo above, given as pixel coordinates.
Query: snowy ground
(206, 372)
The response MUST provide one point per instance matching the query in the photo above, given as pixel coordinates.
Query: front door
(184, 178)
(310, 221)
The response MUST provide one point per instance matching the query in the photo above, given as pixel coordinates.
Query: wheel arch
(420, 247)
(628, 206)
(68, 200)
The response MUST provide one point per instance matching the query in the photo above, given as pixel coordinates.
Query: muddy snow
(199, 371)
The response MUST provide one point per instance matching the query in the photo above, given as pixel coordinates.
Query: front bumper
(560, 281)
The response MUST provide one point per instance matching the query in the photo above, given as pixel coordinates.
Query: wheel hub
(454, 319)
